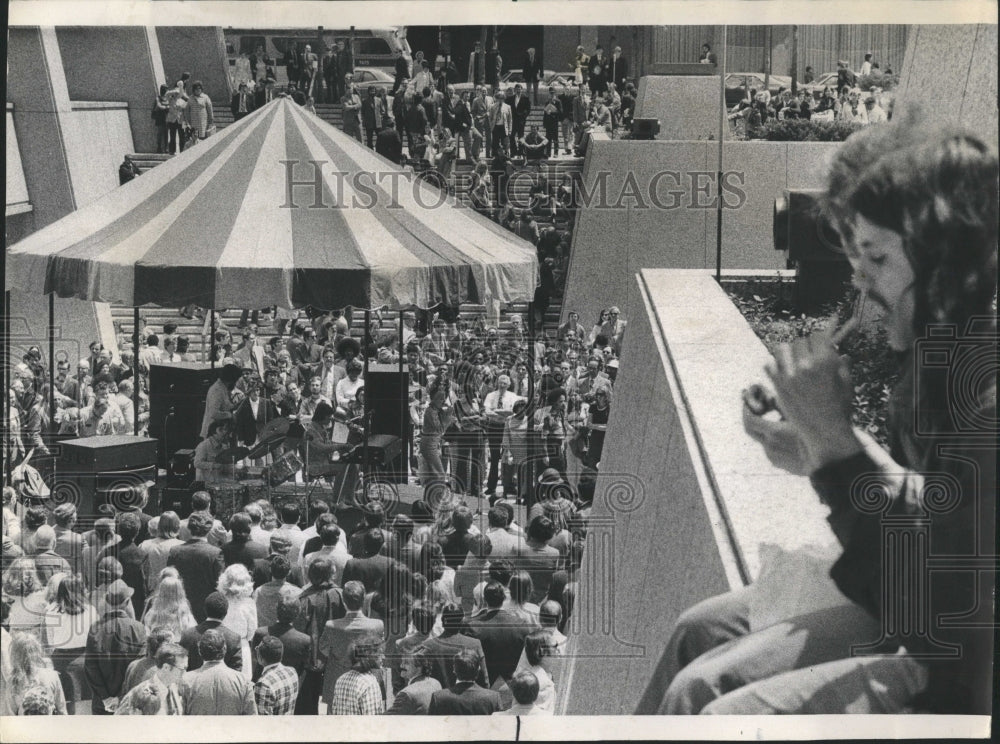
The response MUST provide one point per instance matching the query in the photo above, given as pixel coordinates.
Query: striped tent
(277, 209)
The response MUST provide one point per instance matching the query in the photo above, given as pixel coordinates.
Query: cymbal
(263, 448)
(275, 427)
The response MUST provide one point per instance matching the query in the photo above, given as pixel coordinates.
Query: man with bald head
(498, 407)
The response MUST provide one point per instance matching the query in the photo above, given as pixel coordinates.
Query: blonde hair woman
(169, 607)
(237, 586)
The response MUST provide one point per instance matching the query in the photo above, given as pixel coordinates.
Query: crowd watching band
(430, 612)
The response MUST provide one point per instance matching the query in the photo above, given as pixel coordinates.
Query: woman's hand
(812, 384)
(782, 444)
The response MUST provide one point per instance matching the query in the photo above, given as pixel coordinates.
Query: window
(364, 76)
(371, 47)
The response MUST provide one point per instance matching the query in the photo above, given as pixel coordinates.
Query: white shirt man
(102, 416)
(499, 404)
(330, 375)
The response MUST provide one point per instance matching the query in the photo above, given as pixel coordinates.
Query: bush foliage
(767, 306)
(804, 130)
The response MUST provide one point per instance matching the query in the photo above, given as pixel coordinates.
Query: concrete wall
(699, 506)
(950, 73)
(17, 188)
(200, 50)
(611, 244)
(41, 101)
(101, 135)
(687, 106)
(90, 77)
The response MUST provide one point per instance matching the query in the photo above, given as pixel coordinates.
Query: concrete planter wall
(677, 229)
(686, 502)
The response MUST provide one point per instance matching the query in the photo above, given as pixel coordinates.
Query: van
(372, 47)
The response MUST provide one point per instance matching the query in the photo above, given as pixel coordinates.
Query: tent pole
(404, 427)
(135, 370)
(52, 358)
(366, 474)
(529, 467)
(7, 380)
(211, 338)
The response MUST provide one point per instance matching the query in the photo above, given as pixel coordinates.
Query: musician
(469, 452)
(273, 390)
(218, 401)
(206, 463)
(317, 445)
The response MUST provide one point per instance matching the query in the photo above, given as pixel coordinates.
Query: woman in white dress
(237, 586)
(200, 112)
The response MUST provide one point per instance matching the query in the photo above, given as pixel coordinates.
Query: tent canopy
(277, 209)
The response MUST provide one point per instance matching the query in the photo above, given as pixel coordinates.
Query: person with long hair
(537, 647)
(236, 585)
(67, 621)
(157, 549)
(169, 607)
(30, 669)
(916, 209)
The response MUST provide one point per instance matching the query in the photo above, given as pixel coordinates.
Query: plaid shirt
(357, 694)
(276, 691)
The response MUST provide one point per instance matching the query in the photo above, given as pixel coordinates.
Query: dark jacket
(446, 647)
(199, 565)
(369, 571)
(416, 118)
(317, 606)
(113, 643)
(295, 642)
(247, 425)
(618, 72)
(464, 699)
(502, 634)
(191, 636)
(521, 109)
(532, 70)
(389, 145)
(234, 104)
(245, 552)
(132, 559)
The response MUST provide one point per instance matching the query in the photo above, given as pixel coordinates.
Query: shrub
(877, 79)
(804, 130)
(767, 306)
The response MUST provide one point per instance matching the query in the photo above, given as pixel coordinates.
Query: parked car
(366, 77)
(738, 83)
(827, 79)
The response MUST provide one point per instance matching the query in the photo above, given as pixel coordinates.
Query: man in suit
(614, 329)
(331, 73)
(319, 603)
(242, 103)
(520, 108)
(295, 642)
(465, 697)
(597, 75)
(450, 643)
(198, 563)
(532, 69)
(618, 70)
(213, 689)
(47, 561)
(279, 544)
(501, 633)
(342, 633)
(278, 687)
(477, 65)
(415, 698)
(372, 114)
(251, 353)
(388, 143)
(216, 607)
(402, 70)
(242, 549)
(201, 503)
(501, 123)
(372, 567)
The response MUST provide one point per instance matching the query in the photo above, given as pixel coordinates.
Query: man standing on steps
(352, 111)
(477, 65)
(501, 123)
(618, 69)
(532, 70)
(242, 103)
(520, 108)
(331, 73)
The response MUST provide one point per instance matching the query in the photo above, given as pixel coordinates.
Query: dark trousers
(370, 137)
(499, 139)
(310, 689)
(494, 436)
(467, 463)
(161, 138)
(552, 135)
(517, 135)
(331, 89)
(176, 132)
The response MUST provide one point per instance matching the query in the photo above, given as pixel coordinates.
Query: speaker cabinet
(177, 395)
(387, 396)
